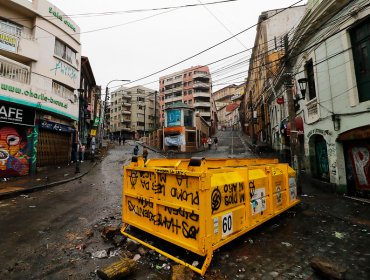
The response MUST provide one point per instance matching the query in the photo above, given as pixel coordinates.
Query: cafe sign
(16, 115)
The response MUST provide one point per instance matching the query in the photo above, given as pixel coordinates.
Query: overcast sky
(145, 42)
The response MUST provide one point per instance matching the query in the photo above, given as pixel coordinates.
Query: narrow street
(53, 234)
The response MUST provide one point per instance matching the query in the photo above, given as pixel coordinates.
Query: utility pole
(155, 110)
(294, 145)
(144, 118)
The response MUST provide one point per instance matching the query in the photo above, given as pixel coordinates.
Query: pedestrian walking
(136, 150)
(209, 142)
(216, 142)
(82, 150)
(119, 140)
(204, 142)
(145, 154)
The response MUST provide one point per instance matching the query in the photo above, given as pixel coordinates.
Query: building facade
(39, 77)
(134, 112)
(336, 106)
(191, 86)
(264, 64)
(90, 104)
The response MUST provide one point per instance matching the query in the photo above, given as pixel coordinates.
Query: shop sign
(173, 118)
(56, 126)
(96, 121)
(62, 19)
(16, 115)
(93, 132)
(8, 42)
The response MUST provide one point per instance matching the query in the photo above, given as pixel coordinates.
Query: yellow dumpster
(201, 204)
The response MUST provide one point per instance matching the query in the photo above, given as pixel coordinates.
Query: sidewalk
(44, 178)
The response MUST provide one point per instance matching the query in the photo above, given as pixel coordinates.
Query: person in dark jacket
(136, 150)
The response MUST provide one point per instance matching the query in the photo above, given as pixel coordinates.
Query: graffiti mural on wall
(14, 158)
(360, 159)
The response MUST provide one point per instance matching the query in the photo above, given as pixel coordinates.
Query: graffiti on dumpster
(216, 199)
(153, 189)
(179, 221)
(227, 195)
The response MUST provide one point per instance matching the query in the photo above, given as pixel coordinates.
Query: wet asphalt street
(52, 234)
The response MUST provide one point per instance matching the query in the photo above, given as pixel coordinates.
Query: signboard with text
(16, 114)
(8, 42)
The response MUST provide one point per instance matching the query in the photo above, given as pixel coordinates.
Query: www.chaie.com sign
(30, 93)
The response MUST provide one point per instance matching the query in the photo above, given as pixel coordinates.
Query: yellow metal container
(201, 204)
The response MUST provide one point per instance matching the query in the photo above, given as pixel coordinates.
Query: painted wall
(15, 150)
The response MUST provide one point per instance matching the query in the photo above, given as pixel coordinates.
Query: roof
(232, 107)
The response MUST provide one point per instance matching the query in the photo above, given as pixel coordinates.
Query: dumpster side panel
(166, 204)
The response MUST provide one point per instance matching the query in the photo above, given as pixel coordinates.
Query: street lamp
(302, 86)
(106, 100)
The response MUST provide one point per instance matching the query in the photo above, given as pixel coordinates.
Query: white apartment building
(39, 77)
(134, 112)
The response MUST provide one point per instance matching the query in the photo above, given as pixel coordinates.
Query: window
(140, 99)
(62, 91)
(360, 37)
(188, 118)
(310, 79)
(64, 51)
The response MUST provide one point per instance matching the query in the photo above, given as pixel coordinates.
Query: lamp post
(106, 100)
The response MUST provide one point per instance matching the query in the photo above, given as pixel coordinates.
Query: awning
(298, 125)
(359, 133)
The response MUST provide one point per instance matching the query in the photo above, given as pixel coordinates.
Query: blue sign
(56, 126)
(173, 118)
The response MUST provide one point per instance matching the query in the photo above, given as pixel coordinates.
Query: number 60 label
(227, 224)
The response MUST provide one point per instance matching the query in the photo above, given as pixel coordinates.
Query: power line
(109, 13)
(211, 47)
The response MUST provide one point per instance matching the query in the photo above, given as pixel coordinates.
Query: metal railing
(11, 29)
(14, 72)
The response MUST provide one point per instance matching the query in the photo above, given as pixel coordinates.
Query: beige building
(133, 112)
(39, 76)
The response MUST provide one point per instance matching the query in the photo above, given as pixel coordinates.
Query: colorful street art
(14, 155)
(359, 154)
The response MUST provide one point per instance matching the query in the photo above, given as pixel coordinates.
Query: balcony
(201, 94)
(126, 104)
(203, 75)
(19, 40)
(15, 71)
(124, 112)
(201, 85)
(202, 104)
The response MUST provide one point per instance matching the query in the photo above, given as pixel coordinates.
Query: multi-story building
(90, 104)
(39, 77)
(222, 98)
(191, 86)
(133, 112)
(268, 50)
(330, 54)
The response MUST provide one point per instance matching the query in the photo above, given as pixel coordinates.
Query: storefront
(356, 145)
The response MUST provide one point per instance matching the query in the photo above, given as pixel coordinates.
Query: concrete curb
(45, 186)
